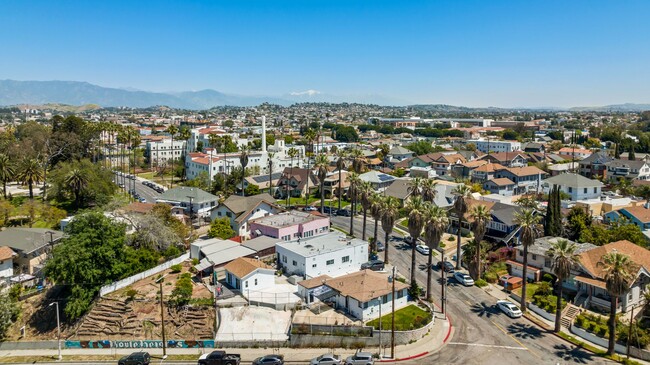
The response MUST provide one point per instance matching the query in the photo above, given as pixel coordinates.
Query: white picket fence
(106, 289)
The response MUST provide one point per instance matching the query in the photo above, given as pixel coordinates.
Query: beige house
(31, 246)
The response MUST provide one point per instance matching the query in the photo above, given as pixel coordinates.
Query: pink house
(290, 226)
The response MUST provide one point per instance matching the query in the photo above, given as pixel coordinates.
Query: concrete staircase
(569, 315)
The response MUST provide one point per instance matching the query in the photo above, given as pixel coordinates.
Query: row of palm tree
(28, 171)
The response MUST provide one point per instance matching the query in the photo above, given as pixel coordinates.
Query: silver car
(360, 358)
(326, 359)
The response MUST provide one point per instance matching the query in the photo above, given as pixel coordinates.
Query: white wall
(265, 279)
(372, 311)
(305, 265)
(6, 268)
(262, 210)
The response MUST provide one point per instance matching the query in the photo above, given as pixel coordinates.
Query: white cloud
(306, 92)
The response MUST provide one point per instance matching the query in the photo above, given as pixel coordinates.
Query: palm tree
(436, 224)
(563, 257)
(618, 273)
(310, 137)
(292, 154)
(353, 179)
(30, 172)
(184, 135)
(357, 160)
(529, 230)
(243, 160)
(375, 211)
(428, 190)
(340, 164)
(77, 179)
(463, 194)
(415, 186)
(320, 163)
(172, 130)
(270, 165)
(480, 216)
(389, 213)
(7, 172)
(416, 208)
(365, 193)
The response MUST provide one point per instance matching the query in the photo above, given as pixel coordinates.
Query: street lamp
(58, 327)
(162, 317)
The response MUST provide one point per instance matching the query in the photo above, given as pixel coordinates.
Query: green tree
(389, 213)
(77, 180)
(529, 228)
(416, 209)
(564, 256)
(365, 191)
(340, 165)
(182, 292)
(436, 224)
(462, 195)
(252, 189)
(30, 172)
(7, 172)
(320, 164)
(243, 160)
(82, 181)
(220, 228)
(480, 216)
(420, 147)
(579, 220)
(619, 273)
(553, 216)
(9, 311)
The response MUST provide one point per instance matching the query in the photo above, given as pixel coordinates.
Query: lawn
(404, 224)
(406, 319)
(531, 288)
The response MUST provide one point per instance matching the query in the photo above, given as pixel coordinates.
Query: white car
(422, 249)
(463, 278)
(509, 308)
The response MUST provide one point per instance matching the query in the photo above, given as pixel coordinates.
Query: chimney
(263, 133)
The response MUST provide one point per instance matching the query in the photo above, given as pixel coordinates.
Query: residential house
(189, 201)
(297, 182)
(464, 170)
(249, 274)
(7, 256)
(561, 168)
(630, 170)
(489, 146)
(576, 186)
(241, 209)
(595, 166)
(575, 153)
(484, 172)
(364, 294)
(332, 254)
(638, 215)
(214, 252)
(290, 225)
(262, 181)
(331, 185)
(501, 186)
(397, 154)
(508, 159)
(445, 163)
(400, 190)
(378, 180)
(534, 147)
(527, 179)
(31, 245)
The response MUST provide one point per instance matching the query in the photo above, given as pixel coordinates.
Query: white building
(193, 201)
(249, 274)
(576, 186)
(6, 262)
(486, 146)
(241, 209)
(160, 152)
(332, 254)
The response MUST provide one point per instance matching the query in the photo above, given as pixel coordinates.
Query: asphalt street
(482, 333)
(146, 192)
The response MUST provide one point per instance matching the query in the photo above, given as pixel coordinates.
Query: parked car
(409, 240)
(509, 308)
(142, 200)
(422, 249)
(136, 358)
(380, 246)
(344, 212)
(219, 357)
(374, 265)
(449, 267)
(269, 360)
(310, 208)
(327, 359)
(463, 278)
(360, 358)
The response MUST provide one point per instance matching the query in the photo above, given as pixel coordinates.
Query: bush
(195, 261)
(451, 239)
(490, 277)
(176, 268)
(543, 288)
(480, 283)
(171, 252)
(602, 331)
(131, 293)
(548, 278)
(182, 292)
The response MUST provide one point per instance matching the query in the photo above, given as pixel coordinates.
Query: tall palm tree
(77, 180)
(340, 165)
(320, 163)
(480, 216)
(184, 134)
(292, 154)
(437, 222)
(172, 130)
(357, 160)
(416, 208)
(122, 138)
(30, 172)
(270, 166)
(462, 193)
(529, 230)
(618, 273)
(563, 257)
(365, 193)
(354, 182)
(389, 213)
(310, 137)
(415, 186)
(428, 190)
(375, 212)
(7, 172)
(243, 160)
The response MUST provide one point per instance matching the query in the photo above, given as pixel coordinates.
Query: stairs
(569, 314)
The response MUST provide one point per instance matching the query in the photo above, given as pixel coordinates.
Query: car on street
(463, 278)
(422, 249)
(310, 208)
(509, 308)
(269, 360)
(380, 246)
(409, 240)
(136, 358)
(374, 265)
(326, 359)
(142, 200)
(360, 358)
(344, 212)
(449, 267)
(219, 357)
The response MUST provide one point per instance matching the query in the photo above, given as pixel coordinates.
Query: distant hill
(627, 107)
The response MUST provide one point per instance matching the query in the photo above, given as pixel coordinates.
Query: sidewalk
(430, 343)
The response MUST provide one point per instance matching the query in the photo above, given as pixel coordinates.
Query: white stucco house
(249, 274)
(241, 209)
(576, 186)
(331, 254)
(6, 262)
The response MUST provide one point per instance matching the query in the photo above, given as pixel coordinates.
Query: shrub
(171, 252)
(544, 288)
(182, 292)
(176, 268)
(451, 239)
(195, 261)
(580, 321)
(131, 293)
(490, 277)
(480, 283)
(548, 278)
(602, 331)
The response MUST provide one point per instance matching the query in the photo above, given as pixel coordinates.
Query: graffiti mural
(138, 344)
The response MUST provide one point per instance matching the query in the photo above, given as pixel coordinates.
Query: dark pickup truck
(219, 358)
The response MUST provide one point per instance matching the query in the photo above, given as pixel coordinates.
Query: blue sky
(473, 53)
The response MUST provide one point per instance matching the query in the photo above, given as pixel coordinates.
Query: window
(595, 190)
(329, 262)
(294, 263)
(570, 189)
(345, 259)
(534, 257)
(360, 304)
(585, 190)
(284, 259)
(400, 294)
(246, 284)
(314, 265)
(547, 262)
(255, 281)
(384, 299)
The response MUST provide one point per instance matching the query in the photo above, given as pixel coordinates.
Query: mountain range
(14, 92)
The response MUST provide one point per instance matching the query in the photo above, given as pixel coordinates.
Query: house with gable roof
(241, 209)
(296, 182)
(638, 215)
(527, 179)
(574, 185)
(594, 165)
(249, 274)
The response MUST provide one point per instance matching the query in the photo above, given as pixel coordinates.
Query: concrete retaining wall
(639, 354)
(544, 314)
(590, 337)
(29, 345)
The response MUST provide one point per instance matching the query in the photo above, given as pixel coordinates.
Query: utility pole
(58, 329)
(380, 327)
(216, 308)
(442, 275)
(191, 221)
(392, 329)
(162, 318)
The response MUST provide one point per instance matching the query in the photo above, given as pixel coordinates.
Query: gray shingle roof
(544, 243)
(182, 194)
(28, 239)
(573, 180)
